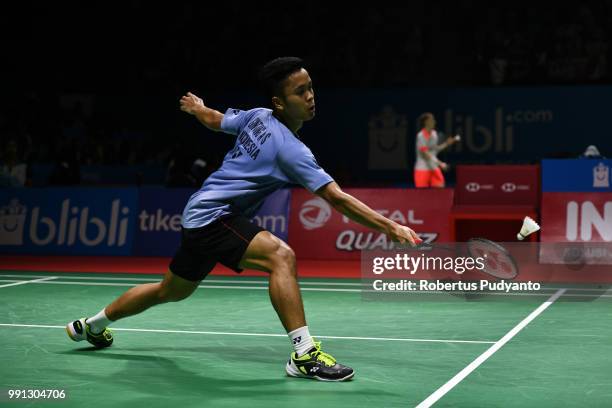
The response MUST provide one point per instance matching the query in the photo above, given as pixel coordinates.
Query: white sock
(99, 322)
(301, 340)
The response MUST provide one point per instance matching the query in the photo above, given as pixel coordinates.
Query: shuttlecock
(528, 228)
(457, 138)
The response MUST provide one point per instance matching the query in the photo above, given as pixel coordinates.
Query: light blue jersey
(267, 156)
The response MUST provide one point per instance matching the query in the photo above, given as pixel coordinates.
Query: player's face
(298, 96)
(430, 122)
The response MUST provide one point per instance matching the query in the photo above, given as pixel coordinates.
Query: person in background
(428, 168)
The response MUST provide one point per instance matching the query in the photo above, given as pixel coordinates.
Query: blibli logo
(77, 224)
(500, 139)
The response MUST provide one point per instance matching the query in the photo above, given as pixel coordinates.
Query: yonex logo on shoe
(78, 327)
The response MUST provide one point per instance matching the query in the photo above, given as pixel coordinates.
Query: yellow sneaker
(79, 331)
(318, 365)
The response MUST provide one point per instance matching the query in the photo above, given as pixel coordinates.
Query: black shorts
(224, 240)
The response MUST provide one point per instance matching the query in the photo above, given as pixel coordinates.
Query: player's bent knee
(285, 258)
(268, 253)
(287, 254)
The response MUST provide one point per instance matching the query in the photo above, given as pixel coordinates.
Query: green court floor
(224, 347)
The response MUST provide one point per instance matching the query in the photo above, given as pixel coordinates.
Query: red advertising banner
(317, 231)
(579, 225)
(576, 217)
(497, 185)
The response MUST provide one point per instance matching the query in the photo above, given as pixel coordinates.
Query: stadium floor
(224, 347)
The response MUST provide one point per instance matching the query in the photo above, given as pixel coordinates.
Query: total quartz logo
(315, 213)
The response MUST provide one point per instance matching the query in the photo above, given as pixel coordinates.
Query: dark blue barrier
(67, 221)
(579, 175)
(97, 221)
(364, 136)
(498, 125)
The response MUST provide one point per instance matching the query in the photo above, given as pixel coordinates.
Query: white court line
(263, 281)
(238, 281)
(260, 334)
(585, 295)
(415, 340)
(440, 392)
(199, 287)
(70, 276)
(42, 280)
(537, 294)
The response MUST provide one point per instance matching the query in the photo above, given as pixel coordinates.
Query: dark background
(98, 84)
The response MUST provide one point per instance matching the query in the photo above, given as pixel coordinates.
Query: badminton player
(427, 167)
(268, 155)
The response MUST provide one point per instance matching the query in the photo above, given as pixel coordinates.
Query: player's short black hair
(274, 72)
(423, 118)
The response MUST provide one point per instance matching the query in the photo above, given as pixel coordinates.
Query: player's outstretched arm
(364, 215)
(448, 142)
(194, 105)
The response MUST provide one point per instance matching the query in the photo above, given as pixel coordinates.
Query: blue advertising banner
(274, 214)
(158, 223)
(67, 221)
(159, 218)
(98, 221)
(579, 175)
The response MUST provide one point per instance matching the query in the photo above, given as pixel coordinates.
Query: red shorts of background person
(428, 178)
